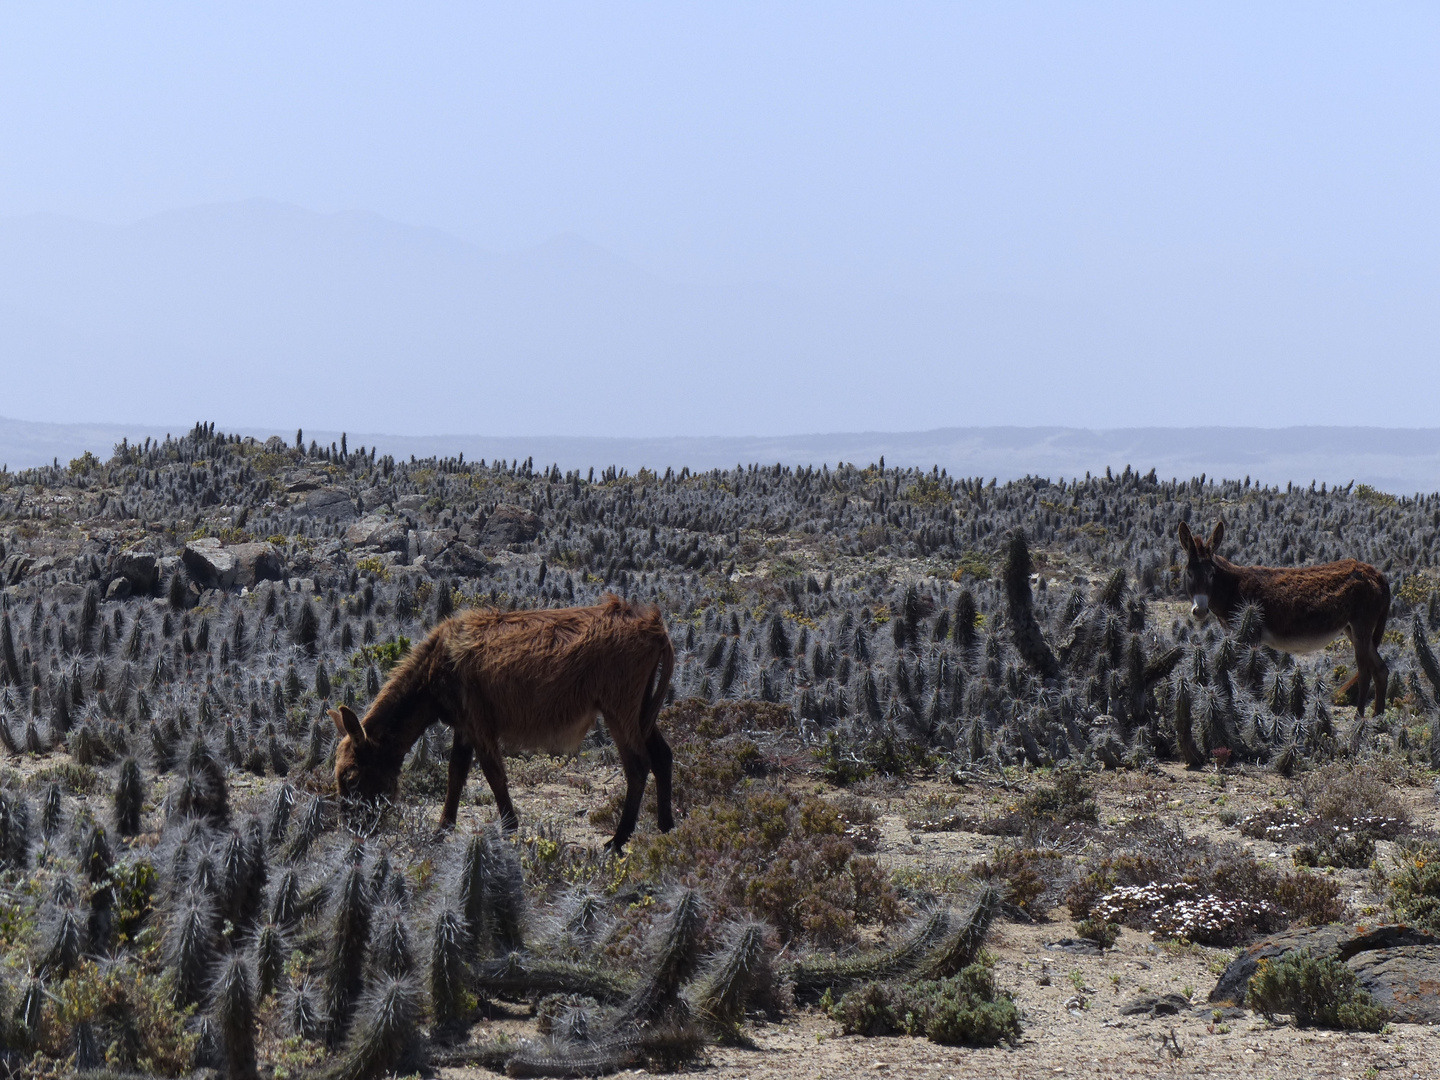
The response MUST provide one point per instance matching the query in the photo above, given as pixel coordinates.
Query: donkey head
(1200, 567)
(362, 769)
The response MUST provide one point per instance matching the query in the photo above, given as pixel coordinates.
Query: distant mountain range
(1400, 461)
(257, 313)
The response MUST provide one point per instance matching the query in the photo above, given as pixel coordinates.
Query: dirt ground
(1069, 1002)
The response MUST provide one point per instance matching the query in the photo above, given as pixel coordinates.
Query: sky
(1185, 195)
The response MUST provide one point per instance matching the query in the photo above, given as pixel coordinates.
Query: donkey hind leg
(1358, 636)
(636, 764)
(493, 766)
(461, 754)
(661, 763)
(1379, 670)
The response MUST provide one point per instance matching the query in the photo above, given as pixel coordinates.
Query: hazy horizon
(1399, 461)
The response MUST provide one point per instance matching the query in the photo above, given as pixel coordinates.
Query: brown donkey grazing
(521, 680)
(1303, 608)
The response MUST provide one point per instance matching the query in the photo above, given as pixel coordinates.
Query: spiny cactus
(190, 946)
(232, 1011)
(739, 971)
(345, 954)
(285, 899)
(129, 798)
(64, 943)
(14, 832)
(307, 830)
(272, 950)
(814, 974)
(301, 1006)
(390, 952)
(663, 1047)
(490, 893)
(448, 947)
(281, 805)
(385, 1038)
(674, 959)
(962, 947)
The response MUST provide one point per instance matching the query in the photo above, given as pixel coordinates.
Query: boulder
(1343, 942)
(508, 525)
(255, 563)
(460, 558)
(208, 563)
(16, 565)
(377, 533)
(140, 568)
(328, 502)
(1406, 980)
(212, 565)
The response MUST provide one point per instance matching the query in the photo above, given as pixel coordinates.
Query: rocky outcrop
(1343, 942)
(378, 534)
(505, 525)
(327, 502)
(140, 570)
(213, 565)
(1405, 980)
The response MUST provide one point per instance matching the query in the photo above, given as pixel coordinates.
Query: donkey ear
(1216, 536)
(1186, 540)
(348, 723)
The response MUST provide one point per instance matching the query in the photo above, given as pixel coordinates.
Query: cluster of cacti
(775, 580)
(896, 615)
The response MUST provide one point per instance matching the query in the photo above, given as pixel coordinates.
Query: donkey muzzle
(1199, 607)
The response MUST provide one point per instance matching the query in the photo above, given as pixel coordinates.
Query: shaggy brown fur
(1304, 608)
(521, 680)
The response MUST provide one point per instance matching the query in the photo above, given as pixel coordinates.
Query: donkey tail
(655, 692)
(1379, 633)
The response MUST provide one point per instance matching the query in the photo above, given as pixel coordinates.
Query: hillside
(898, 814)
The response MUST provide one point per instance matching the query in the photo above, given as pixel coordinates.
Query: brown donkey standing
(1303, 608)
(521, 680)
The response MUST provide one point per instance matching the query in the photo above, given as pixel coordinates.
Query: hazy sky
(1258, 179)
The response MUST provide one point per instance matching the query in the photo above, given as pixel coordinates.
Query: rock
(460, 558)
(16, 565)
(1077, 945)
(119, 589)
(410, 504)
(509, 525)
(1406, 980)
(1340, 941)
(208, 563)
(377, 533)
(328, 502)
(434, 541)
(140, 568)
(212, 565)
(1155, 1005)
(256, 562)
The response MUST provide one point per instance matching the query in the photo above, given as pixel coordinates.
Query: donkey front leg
(637, 768)
(461, 754)
(493, 766)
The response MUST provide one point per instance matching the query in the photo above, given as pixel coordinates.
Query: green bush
(964, 1009)
(1316, 991)
(1415, 889)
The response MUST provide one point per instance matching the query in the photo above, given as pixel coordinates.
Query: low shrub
(1196, 891)
(962, 1010)
(1316, 991)
(794, 863)
(1414, 890)
(1027, 875)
